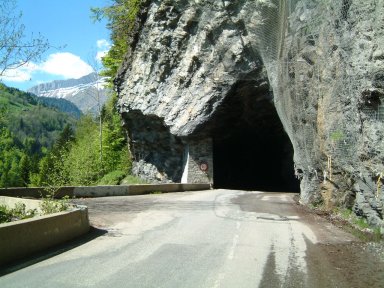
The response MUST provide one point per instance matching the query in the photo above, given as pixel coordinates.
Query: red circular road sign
(204, 166)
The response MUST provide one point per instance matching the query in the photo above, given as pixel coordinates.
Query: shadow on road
(51, 252)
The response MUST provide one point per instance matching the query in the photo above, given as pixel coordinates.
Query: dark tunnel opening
(251, 150)
(255, 158)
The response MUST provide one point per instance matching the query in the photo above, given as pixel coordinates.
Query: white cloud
(66, 64)
(103, 47)
(103, 44)
(62, 64)
(20, 74)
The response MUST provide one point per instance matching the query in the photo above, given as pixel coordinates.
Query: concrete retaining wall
(25, 237)
(103, 191)
(37, 192)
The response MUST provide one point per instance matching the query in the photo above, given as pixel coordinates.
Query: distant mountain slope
(82, 92)
(62, 105)
(29, 118)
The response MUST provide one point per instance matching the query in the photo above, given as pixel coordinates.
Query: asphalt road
(218, 238)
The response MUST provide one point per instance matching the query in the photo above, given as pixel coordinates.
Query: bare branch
(16, 49)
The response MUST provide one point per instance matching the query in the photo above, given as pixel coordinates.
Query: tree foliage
(61, 105)
(32, 123)
(43, 147)
(74, 158)
(121, 17)
(27, 131)
(83, 158)
(10, 156)
(40, 146)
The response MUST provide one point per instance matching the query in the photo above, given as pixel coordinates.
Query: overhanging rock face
(201, 85)
(188, 58)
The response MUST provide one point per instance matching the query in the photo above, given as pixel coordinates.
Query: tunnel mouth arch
(251, 150)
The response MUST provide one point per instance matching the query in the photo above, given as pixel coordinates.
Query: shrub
(19, 212)
(112, 178)
(5, 216)
(51, 205)
(130, 179)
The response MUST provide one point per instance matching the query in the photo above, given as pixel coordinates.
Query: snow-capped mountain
(83, 92)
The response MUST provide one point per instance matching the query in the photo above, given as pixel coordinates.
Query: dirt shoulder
(341, 257)
(359, 263)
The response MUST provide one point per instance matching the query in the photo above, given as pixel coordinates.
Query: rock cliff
(328, 92)
(209, 87)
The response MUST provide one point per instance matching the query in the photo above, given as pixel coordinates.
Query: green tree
(83, 161)
(117, 156)
(9, 168)
(3, 113)
(75, 159)
(10, 156)
(25, 169)
(121, 17)
(27, 133)
(52, 170)
(42, 178)
(14, 175)
(65, 139)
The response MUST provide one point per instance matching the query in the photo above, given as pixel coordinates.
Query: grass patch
(112, 178)
(130, 179)
(349, 222)
(358, 226)
(120, 177)
(156, 192)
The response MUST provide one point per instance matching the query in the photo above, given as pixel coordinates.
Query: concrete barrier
(22, 238)
(103, 191)
(165, 188)
(35, 192)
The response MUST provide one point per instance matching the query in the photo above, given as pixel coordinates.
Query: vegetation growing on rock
(122, 21)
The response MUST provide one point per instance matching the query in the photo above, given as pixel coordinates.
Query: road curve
(217, 238)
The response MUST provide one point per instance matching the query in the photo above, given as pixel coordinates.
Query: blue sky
(66, 24)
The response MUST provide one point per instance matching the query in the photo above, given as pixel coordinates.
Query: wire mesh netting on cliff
(329, 104)
(323, 99)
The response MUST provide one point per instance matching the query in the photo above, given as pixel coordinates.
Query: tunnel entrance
(251, 150)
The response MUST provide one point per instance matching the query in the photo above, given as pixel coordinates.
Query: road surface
(217, 238)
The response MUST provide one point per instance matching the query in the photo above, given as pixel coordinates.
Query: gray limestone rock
(188, 57)
(329, 93)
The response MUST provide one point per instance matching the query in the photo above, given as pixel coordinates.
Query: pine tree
(25, 169)
(65, 139)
